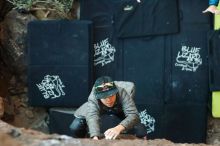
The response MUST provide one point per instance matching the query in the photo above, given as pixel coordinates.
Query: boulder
(13, 32)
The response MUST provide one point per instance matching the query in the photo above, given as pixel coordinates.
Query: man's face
(109, 101)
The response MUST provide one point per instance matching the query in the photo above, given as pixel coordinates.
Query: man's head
(105, 89)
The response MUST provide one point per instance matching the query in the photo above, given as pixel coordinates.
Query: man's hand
(213, 9)
(112, 133)
(95, 138)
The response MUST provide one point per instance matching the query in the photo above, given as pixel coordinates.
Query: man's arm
(212, 7)
(92, 116)
(112, 133)
(130, 110)
(131, 114)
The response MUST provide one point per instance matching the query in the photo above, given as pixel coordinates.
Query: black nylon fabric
(153, 117)
(143, 64)
(107, 50)
(214, 61)
(100, 12)
(55, 42)
(59, 62)
(186, 123)
(151, 64)
(106, 46)
(190, 11)
(133, 19)
(189, 70)
(188, 90)
(60, 120)
(62, 86)
(150, 17)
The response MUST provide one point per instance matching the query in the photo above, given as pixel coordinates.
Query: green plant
(62, 6)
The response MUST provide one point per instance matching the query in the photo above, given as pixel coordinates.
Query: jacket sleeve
(130, 110)
(213, 2)
(93, 115)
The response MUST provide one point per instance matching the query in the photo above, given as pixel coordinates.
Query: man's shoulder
(125, 86)
(92, 94)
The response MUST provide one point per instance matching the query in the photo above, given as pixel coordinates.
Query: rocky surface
(19, 113)
(13, 32)
(213, 131)
(10, 135)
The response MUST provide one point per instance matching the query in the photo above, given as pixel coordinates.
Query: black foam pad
(100, 12)
(152, 116)
(132, 19)
(60, 65)
(59, 42)
(144, 65)
(60, 120)
(64, 86)
(151, 17)
(186, 123)
(189, 66)
(191, 11)
(214, 61)
(107, 50)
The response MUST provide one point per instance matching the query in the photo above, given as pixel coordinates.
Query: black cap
(105, 87)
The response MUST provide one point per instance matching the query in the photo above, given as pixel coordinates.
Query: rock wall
(13, 32)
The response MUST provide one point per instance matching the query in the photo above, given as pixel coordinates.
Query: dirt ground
(213, 131)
